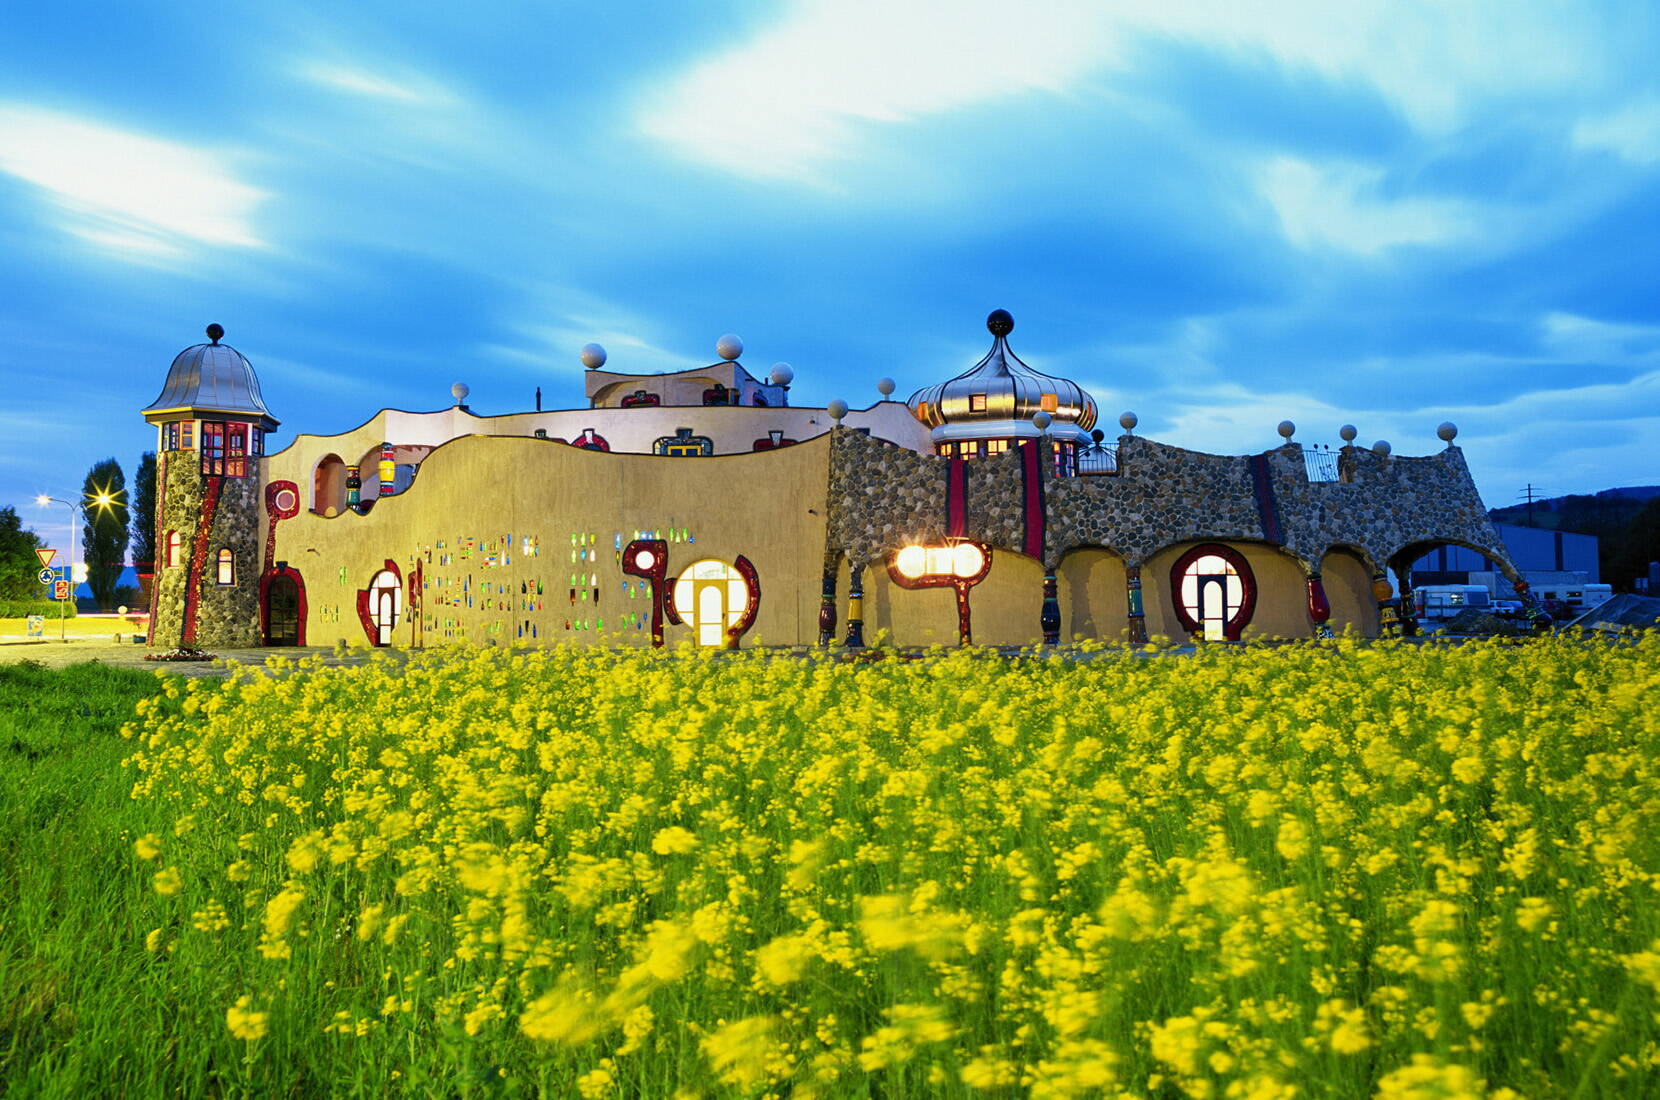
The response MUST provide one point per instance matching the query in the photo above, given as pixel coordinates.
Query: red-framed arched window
(172, 552)
(227, 566)
(1213, 591)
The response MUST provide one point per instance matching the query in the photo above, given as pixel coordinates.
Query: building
(702, 505)
(1536, 551)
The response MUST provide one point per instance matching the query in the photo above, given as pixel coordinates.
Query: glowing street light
(77, 571)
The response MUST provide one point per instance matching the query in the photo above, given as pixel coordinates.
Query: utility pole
(1530, 493)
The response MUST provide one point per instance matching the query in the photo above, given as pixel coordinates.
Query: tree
(144, 510)
(104, 537)
(18, 564)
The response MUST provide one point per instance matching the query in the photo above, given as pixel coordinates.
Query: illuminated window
(257, 441)
(213, 449)
(385, 605)
(236, 450)
(170, 436)
(1215, 591)
(976, 402)
(172, 554)
(227, 566)
(1048, 403)
(683, 444)
(187, 432)
(996, 446)
(711, 597)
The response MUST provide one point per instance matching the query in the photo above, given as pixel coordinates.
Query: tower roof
(1001, 390)
(213, 378)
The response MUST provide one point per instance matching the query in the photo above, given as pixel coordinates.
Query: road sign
(60, 590)
(47, 576)
(45, 555)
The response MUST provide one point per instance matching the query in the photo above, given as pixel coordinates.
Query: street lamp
(103, 499)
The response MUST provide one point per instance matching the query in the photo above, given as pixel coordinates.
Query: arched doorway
(385, 605)
(328, 486)
(282, 608)
(1215, 591)
(711, 597)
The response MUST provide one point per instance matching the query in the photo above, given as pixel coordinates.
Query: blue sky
(1217, 215)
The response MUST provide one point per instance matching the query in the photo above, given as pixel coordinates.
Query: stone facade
(884, 496)
(225, 615)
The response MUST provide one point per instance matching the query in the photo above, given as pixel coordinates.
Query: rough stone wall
(883, 497)
(226, 616)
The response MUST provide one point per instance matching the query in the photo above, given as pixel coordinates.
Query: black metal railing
(1321, 463)
(1099, 458)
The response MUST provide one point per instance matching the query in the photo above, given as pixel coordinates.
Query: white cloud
(791, 98)
(1339, 206)
(133, 195)
(1633, 131)
(406, 88)
(1571, 336)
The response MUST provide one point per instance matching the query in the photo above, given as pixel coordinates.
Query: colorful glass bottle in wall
(354, 485)
(387, 469)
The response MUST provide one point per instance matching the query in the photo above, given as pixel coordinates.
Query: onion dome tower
(211, 424)
(989, 407)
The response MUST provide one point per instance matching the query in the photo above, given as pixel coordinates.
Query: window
(227, 566)
(213, 449)
(187, 431)
(236, 445)
(257, 441)
(996, 446)
(977, 402)
(640, 398)
(757, 399)
(719, 395)
(1215, 591)
(172, 552)
(590, 442)
(683, 444)
(1049, 402)
(774, 440)
(711, 597)
(170, 436)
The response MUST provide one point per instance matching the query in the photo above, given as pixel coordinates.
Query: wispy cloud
(407, 88)
(1632, 131)
(1342, 206)
(129, 194)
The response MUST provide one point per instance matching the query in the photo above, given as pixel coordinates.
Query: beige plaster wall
(1348, 585)
(490, 488)
(1005, 608)
(1094, 596)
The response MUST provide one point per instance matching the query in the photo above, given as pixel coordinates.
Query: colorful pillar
(1319, 608)
(1531, 607)
(1138, 619)
(388, 469)
(1389, 623)
(1409, 621)
(855, 607)
(1051, 618)
(827, 602)
(354, 486)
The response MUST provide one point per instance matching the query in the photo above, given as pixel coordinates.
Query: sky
(1216, 215)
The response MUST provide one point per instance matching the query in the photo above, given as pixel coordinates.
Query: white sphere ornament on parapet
(884, 386)
(593, 356)
(729, 347)
(459, 391)
(1382, 448)
(782, 374)
(1042, 420)
(1348, 432)
(1287, 429)
(1128, 421)
(837, 409)
(1448, 431)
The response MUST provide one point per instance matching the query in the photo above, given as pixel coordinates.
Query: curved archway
(328, 486)
(282, 607)
(1346, 574)
(1094, 594)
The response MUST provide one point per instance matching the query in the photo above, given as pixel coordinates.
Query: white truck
(1436, 602)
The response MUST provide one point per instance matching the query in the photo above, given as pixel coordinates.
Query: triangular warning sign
(45, 556)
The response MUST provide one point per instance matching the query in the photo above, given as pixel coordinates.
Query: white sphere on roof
(459, 391)
(729, 347)
(1348, 432)
(1042, 420)
(1448, 431)
(782, 374)
(884, 386)
(837, 409)
(1287, 429)
(1128, 421)
(1382, 448)
(593, 356)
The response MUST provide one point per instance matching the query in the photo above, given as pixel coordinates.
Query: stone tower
(211, 423)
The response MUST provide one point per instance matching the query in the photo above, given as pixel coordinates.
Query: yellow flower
(152, 941)
(1427, 1078)
(673, 841)
(168, 881)
(782, 961)
(243, 1022)
(147, 846)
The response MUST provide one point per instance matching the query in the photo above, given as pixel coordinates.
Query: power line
(1531, 493)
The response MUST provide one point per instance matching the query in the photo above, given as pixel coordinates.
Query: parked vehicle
(1434, 602)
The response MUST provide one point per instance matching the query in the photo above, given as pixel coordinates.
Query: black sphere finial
(999, 322)
(215, 331)
(1098, 435)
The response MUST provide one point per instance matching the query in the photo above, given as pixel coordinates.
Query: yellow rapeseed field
(1335, 869)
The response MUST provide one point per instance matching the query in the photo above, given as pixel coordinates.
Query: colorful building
(701, 505)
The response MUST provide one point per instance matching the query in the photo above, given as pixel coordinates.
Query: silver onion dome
(997, 397)
(214, 378)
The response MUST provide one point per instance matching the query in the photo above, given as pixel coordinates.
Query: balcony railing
(1100, 458)
(1321, 463)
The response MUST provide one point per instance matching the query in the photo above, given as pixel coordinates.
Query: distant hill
(1626, 522)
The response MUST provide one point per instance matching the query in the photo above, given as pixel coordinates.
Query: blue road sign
(47, 576)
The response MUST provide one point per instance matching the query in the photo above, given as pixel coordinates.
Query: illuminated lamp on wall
(958, 564)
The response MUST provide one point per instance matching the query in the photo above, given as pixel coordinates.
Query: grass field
(1324, 870)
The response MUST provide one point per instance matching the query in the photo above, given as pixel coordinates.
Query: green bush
(17, 609)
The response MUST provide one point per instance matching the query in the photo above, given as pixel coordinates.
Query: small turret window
(213, 449)
(977, 402)
(172, 557)
(187, 435)
(236, 450)
(256, 442)
(170, 436)
(227, 566)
